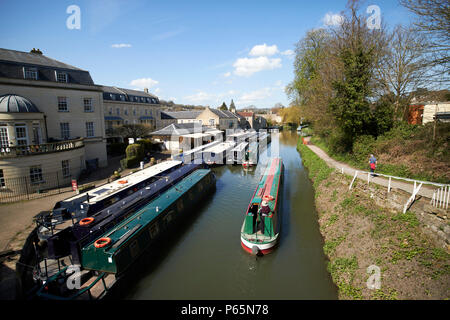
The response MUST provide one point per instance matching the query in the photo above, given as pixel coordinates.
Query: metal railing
(33, 149)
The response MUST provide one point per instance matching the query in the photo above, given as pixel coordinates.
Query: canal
(205, 259)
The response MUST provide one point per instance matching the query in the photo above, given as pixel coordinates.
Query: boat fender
(86, 221)
(255, 250)
(268, 198)
(102, 242)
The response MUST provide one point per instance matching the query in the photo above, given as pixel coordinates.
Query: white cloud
(201, 97)
(157, 90)
(263, 50)
(227, 74)
(288, 52)
(121, 45)
(255, 96)
(248, 66)
(332, 19)
(144, 83)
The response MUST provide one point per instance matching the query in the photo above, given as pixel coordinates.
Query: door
(21, 135)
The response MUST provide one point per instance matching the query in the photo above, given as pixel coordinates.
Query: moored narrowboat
(105, 261)
(261, 227)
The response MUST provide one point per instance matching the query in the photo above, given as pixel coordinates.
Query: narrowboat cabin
(260, 230)
(218, 154)
(252, 155)
(238, 153)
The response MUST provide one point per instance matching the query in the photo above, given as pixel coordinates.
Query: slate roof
(12, 64)
(184, 114)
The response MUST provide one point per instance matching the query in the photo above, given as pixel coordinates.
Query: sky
(190, 52)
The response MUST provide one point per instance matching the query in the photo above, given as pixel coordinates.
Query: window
(65, 130)
(36, 174)
(62, 104)
(4, 141)
(110, 111)
(61, 76)
(21, 135)
(87, 102)
(65, 168)
(112, 96)
(211, 122)
(126, 112)
(134, 112)
(30, 73)
(118, 111)
(89, 129)
(122, 97)
(2, 179)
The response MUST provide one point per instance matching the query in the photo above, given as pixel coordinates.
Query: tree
(358, 50)
(291, 115)
(133, 130)
(433, 22)
(223, 107)
(402, 68)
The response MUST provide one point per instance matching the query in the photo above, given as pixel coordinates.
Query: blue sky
(192, 52)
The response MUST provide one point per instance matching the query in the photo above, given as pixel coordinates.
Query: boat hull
(263, 249)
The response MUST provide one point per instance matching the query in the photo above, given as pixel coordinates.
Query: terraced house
(51, 119)
(125, 106)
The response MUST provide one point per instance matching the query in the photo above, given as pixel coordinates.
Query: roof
(15, 103)
(246, 114)
(13, 64)
(33, 58)
(184, 114)
(223, 113)
(179, 129)
(117, 90)
(166, 116)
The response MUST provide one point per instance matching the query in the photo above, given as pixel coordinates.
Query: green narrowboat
(261, 228)
(117, 249)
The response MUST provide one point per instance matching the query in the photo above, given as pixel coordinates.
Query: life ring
(102, 242)
(268, 198)
(123, 181)
(86, 221)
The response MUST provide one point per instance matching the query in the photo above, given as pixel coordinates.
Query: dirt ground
(359, 234)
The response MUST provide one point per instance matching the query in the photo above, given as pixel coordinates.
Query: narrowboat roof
(105, 190)
(222, 146)
(241, 146)
(270, 178)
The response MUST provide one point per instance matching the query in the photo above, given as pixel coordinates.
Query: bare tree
(433, 22)
(133, 130)
(402, 67)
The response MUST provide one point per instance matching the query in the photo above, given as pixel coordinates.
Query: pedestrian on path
(373, 164)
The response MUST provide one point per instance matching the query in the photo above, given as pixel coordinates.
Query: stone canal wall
(374, 250)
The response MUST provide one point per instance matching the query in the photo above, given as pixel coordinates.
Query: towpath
(425, 190)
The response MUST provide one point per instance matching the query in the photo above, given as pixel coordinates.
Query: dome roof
(15, 103)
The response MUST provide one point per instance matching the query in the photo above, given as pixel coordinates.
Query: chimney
(146, 90)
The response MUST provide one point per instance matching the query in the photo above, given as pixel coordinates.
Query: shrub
(116, 148)
(135, 151)
(363, 147)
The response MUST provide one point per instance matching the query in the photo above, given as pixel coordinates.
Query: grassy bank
(357, 234)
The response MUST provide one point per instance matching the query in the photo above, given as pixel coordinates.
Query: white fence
(440, 198)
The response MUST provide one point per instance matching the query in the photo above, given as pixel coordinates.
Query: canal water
(205, 259)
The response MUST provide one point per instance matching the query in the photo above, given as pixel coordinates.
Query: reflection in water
(206, 261)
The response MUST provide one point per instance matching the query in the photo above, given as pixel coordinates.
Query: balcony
(30, 150)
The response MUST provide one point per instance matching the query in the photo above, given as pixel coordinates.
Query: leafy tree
(223, 107)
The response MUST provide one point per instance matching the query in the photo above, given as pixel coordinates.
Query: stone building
(51, 118)
(125, 106)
